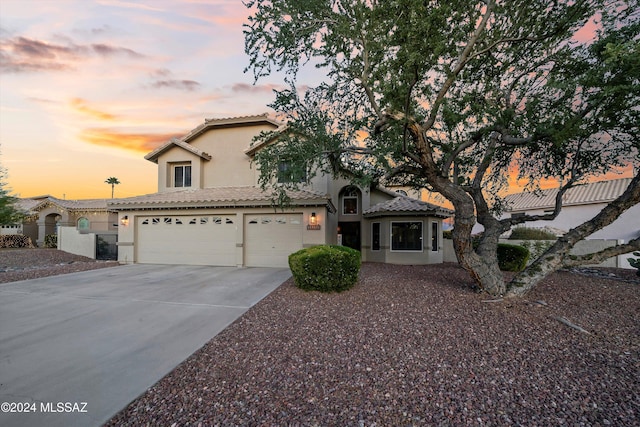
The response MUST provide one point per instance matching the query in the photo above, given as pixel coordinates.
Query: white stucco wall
(72, 241)
(625, 228)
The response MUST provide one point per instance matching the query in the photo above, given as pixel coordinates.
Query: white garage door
(191, 240)
(270, 239)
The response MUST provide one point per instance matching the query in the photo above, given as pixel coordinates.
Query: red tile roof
(216, 197)
(403, 205)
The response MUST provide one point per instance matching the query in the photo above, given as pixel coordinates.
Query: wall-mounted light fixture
(125, 220)
(313, 222)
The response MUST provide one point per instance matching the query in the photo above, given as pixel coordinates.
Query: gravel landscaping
(414, 345)
(24, 264)
(408, 345)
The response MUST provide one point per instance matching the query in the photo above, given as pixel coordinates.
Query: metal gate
(107, 247)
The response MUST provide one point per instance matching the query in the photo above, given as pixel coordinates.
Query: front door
(350, 232)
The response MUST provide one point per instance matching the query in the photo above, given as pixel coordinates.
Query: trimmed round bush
(325, 268)
(512, 257)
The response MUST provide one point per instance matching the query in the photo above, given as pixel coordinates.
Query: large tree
(10, 214)
(455, 96)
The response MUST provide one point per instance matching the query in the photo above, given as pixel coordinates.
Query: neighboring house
(44, 214)
(209, 209)
(579, 204)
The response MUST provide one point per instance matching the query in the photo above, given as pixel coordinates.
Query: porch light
(313, 222)
(125, 220)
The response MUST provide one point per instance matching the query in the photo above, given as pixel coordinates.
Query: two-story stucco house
(209, 209)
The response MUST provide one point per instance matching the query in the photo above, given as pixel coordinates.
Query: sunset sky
(88, 87)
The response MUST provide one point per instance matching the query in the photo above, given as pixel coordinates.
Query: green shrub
(51, 241)
(525, 233)
(447, 234)
(512, 257)
(325, 268)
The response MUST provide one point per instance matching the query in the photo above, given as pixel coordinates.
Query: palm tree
(113, 181)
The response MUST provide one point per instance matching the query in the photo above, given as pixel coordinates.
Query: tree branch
(598, 257)
(462, 61)
(366, 66)
(505, 40)
(547, 217)
(446, 165)
(402, 170)
(630, 197)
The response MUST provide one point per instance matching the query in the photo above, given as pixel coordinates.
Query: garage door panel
(270, 239)
(190, 240)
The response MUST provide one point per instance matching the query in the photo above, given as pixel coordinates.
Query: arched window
(83, 224)
(350, 198)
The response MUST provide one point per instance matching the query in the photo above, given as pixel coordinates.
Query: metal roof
(584, 194)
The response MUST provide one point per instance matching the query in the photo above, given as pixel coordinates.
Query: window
(375, 236)
(182, 176)
(83, 224)
(434, 237)
(406, 236)
(350, 202)
(287, 172)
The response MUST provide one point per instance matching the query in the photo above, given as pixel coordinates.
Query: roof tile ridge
(246, 116)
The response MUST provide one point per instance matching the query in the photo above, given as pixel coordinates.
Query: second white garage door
(270, 239)
(190, 240)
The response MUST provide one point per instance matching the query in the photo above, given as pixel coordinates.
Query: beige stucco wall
(72, 241)
(179, 155)
(385, 254)
(51, 217)
(229, 165)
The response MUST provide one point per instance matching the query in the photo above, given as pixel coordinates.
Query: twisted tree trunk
(558, 255)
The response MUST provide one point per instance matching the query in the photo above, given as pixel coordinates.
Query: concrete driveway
(76, 349)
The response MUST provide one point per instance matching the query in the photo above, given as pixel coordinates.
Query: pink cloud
(22, 54)
(249, 88)
(186, 85)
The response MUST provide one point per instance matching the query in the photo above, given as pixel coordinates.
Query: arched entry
(51, 224)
